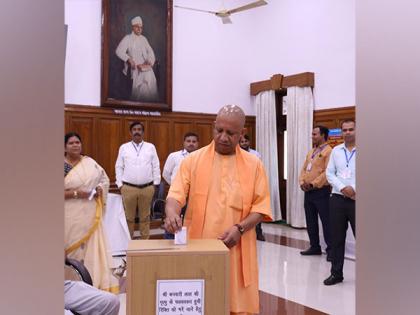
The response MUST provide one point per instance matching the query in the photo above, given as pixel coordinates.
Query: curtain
(299, 102)
(266, 126)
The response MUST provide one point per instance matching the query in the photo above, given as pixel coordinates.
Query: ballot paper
(92, 193)
(181, 236)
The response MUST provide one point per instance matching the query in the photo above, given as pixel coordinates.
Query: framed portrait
(137, 54)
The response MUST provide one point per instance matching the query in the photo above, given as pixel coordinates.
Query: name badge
(346, 173)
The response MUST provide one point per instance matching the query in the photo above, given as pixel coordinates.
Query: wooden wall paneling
(103, 131)
(108, 143)
(180, 128)
(160, 136)
(329, 123)
(67, 121)
(84, 126)
(205, 132)
(251, 132)
(148, 127)
(333, 117)
(126, 136)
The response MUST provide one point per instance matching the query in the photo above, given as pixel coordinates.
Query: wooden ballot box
(163, 278)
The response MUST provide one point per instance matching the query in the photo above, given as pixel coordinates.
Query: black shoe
(311, 251)
(329, 258)
(331, 280)
(260, 237)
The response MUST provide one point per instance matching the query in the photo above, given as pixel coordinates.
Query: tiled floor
(291, 283)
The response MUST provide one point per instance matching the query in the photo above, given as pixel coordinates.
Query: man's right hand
(348, 192)
(132, 63)
(305, 187)
(173, 222)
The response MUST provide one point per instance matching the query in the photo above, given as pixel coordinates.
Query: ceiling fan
(225, 14)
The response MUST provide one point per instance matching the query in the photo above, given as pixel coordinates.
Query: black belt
(342, 196)
(327, 188)
(138, 186)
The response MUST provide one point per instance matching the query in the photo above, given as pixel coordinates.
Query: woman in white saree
(85, 187)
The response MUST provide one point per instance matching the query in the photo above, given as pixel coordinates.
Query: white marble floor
(286, 274)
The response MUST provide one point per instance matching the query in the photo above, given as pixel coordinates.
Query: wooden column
(278, 82)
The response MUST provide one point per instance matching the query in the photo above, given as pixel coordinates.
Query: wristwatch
(240, 228)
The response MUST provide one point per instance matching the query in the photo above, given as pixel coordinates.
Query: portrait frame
(117, 86)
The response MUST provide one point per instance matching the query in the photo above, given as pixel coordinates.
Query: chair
(75, 270)
(157, 210)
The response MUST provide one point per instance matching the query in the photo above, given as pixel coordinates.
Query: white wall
(83, 55)
(213, 64)
(388, 216)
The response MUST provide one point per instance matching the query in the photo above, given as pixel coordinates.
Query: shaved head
(228, 129)
(232, 112)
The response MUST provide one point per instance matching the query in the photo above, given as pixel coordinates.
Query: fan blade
(248, 6)
(193, 9)
(226, 20)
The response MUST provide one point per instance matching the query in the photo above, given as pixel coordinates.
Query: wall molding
(278, 82)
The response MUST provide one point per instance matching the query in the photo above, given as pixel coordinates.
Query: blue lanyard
(349, 158)
(318, 150)
(135, 147)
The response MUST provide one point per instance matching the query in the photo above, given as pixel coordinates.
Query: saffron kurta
(222, 191)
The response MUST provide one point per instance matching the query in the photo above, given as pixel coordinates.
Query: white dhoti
(144, 86)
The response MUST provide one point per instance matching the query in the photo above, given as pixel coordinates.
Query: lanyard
(135, 147)
(318, 150)
(349, 158)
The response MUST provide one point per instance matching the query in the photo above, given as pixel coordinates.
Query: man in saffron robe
(228, 194)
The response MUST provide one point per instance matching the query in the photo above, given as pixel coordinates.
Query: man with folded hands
(137, 175)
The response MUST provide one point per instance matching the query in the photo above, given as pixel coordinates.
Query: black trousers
(258, 228)
(316, 203)
(342, 211)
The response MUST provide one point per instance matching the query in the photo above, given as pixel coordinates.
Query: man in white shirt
(175, 158)
(341, 174)
(137, 174)
(137, 54)
(245, 144)
(174, 161)
(85, 299)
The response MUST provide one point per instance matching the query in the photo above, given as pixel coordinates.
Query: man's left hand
(99, 192)
(230, 237)
(144, 67)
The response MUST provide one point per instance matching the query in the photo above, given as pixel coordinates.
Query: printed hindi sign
(180, 297)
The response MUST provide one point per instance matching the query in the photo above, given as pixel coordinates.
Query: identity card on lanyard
(346, 173)
(318, 150)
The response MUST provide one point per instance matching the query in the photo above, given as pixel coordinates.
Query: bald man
(228, 195)
(137, 54)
